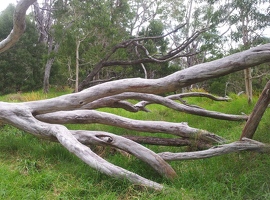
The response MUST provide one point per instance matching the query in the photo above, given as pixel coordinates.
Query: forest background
(66, 40)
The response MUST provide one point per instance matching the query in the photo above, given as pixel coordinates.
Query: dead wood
(244, 145)
(177, 142)
(91, 116)
(43, 118)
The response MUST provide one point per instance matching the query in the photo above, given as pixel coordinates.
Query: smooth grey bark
(92, 116)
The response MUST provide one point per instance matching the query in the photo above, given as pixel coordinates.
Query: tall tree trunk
(78, 42)
(188, 19)
(248, 84)
(44, 21)
(48, 66)
(247, 72)
(46, 82)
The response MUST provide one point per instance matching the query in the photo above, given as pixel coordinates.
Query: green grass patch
(31, 168)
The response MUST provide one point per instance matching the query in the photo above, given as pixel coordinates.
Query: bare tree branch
(197, 73)
(198, 94)
(199, 144)
(110, 101)
(91, 116)
(141, 152)
(244, 145)
(140, 59)
(116, 101)
(18, 25)
(20, 117)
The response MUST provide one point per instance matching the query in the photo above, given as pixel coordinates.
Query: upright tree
(248, 20)
(96, 27)
(44, 22)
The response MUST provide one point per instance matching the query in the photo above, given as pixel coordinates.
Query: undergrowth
(31, 168)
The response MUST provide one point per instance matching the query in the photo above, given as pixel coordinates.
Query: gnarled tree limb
(141, 152)
(92, 116)
(116, 101)
(194, 74)
(151, 98)
(199, 144)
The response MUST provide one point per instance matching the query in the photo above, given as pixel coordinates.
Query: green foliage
(98, 25)
(21, 67)
(155, 46)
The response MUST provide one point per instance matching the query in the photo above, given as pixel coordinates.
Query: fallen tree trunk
(40, 117)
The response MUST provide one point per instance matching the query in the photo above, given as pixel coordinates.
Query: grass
(31, 168)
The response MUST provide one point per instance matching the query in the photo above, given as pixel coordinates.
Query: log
(257, 113)
(141, 152)
(186, 77)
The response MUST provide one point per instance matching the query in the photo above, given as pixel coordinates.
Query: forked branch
(141, 58)
(20, 117)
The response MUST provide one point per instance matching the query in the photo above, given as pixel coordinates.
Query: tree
(44, 21)
(247, 20)
(154, 46)
(197, 15)
(96, 31)
(44, 118)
